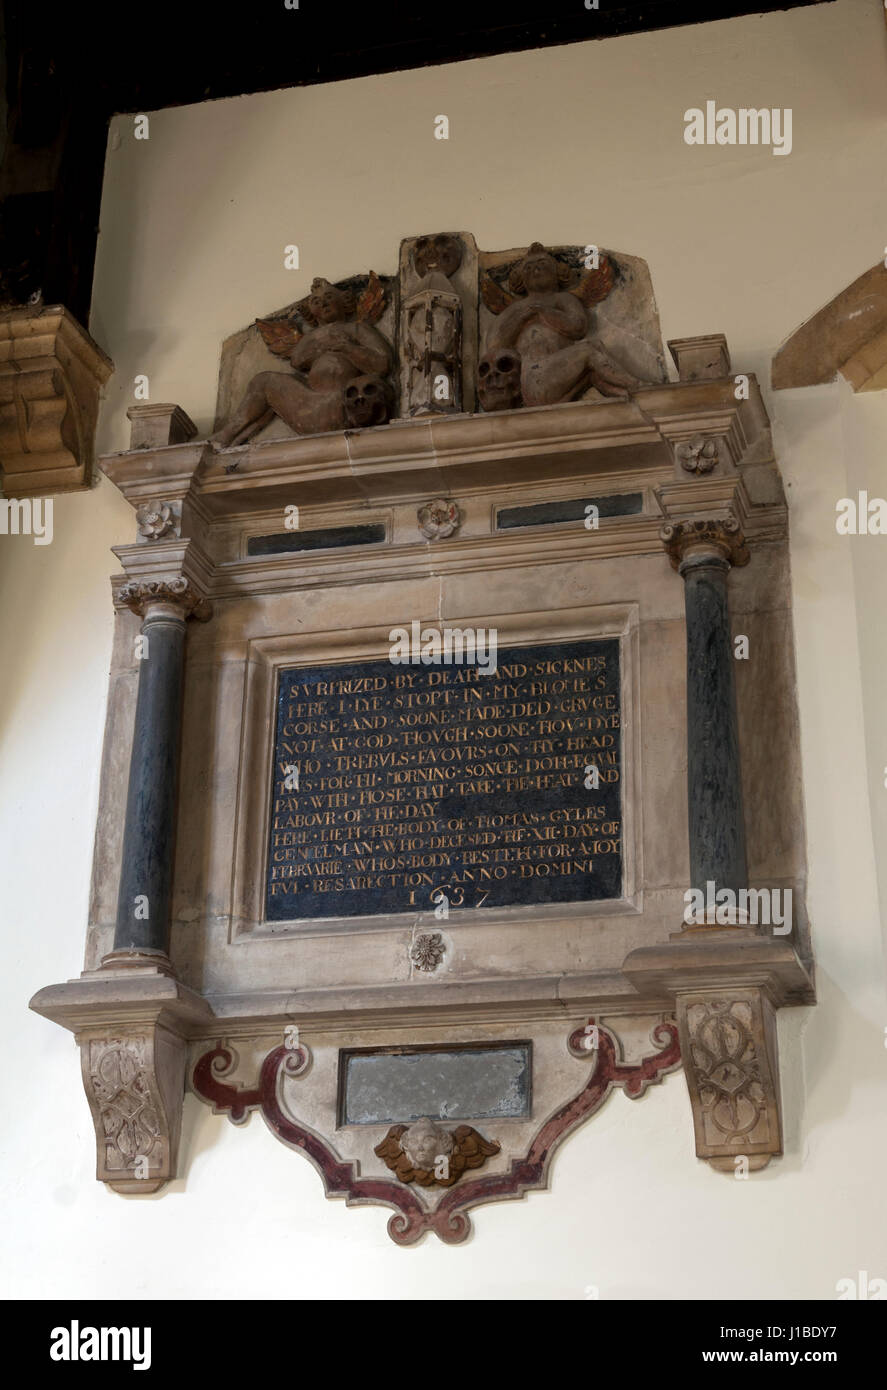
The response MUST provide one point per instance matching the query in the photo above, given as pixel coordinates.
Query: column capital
(143, 595)
(712, 538)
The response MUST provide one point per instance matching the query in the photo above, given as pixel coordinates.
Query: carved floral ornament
(156, 519)
(697, 455)
(427, 951)
(439, 519)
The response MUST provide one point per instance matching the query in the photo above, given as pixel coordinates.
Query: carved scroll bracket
(728, 1042)
(132, 1028)
(726, 986)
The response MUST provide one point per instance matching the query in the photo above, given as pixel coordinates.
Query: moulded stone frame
(267, 656)
(321, 519)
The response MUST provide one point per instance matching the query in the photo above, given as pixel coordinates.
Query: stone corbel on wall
(132, 1026)
(848, 335)
(726, 984)
(51, 374)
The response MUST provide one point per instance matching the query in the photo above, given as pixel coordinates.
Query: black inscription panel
(395, 786)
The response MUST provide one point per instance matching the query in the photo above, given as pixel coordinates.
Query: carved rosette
(697, 455)
(139, 595)
(439, 519)
(720, 536)
(728, 1042)
(427, 951)
(156, 519)
(134, 1082)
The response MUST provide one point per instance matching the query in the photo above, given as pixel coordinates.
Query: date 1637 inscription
(396, 787)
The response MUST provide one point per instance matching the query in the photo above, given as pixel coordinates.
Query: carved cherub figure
(547, 324)
(340, 348)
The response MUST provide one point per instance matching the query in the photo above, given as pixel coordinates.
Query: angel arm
(565, 315)
(368, 351)
(304, 352)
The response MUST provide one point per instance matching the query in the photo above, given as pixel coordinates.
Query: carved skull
(442, 252)
(367, 401)
(498, 380)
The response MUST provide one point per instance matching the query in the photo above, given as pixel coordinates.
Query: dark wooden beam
(69, 68)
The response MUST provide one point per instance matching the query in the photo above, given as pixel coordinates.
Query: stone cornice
(723, 960)
(441, 456)
(648, 980)
(124, 998)
(559, 543)
(629, 536)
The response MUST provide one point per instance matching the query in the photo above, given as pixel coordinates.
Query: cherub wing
(595, 285)
(493, 295)
(371, 304)
(280, 335)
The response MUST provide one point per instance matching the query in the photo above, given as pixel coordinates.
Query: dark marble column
(144, 897)
(703, 552)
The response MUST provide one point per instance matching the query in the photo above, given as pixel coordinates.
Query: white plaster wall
(576, 144)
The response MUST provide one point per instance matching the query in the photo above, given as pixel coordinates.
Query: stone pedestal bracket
(727, 983)
(728, 1041)
(132, 1027)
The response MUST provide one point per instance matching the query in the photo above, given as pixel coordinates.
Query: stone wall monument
(427, 728)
